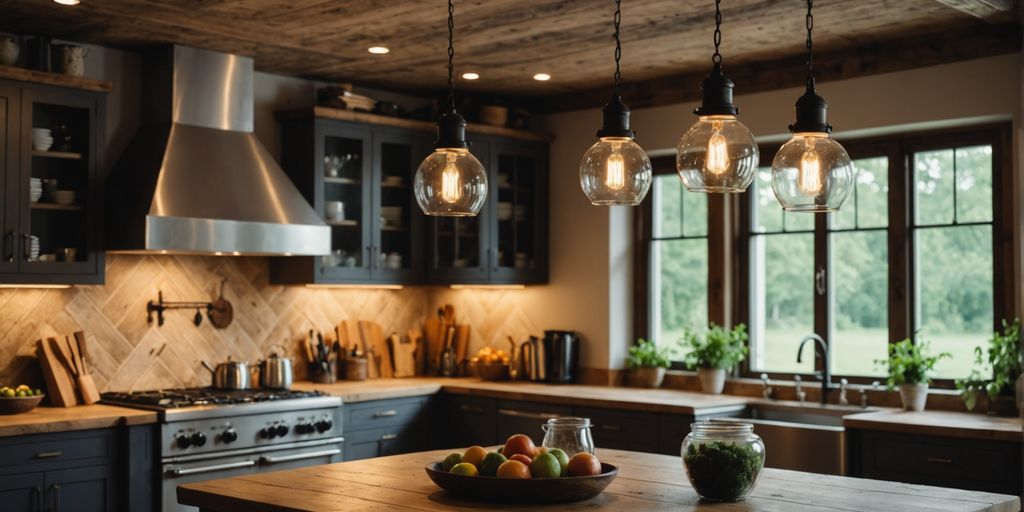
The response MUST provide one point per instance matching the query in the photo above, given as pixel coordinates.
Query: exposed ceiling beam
(992, 11)
(759, 76)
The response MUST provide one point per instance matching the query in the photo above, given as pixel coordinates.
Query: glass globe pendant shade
(615, 171)
(451, 182)
(812, 173)
(717, 154)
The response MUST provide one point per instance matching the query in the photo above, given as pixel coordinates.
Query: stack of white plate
(33, 248)
(64, 197)
(504, 210)
(35, 189)
(42, 139)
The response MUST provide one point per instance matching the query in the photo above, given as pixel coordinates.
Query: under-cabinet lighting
(488, 287)
(378, 50)
(471, 76)
(42, 286)
(542, 77)
(357, 286)
(67, 2)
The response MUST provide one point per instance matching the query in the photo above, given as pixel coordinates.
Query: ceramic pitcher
(71, 59)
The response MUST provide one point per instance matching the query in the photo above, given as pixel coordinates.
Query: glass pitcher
(571, 435)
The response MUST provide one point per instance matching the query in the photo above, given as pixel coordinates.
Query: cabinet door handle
(56, 497)
(26, 246)
(37, 498)
(388, 437)
(9, 245)
(369, 256)
(385, 414)
(49, 455)
(940, 460)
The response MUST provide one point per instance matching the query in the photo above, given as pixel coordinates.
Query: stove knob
(183, 440)
(324, 425)
(305, 428)
(268, 433)
(198, 439)
(228, 436)
(282, 430)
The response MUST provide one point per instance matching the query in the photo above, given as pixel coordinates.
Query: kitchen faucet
(826, 377)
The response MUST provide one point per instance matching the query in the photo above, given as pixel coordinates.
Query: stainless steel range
(207, 434)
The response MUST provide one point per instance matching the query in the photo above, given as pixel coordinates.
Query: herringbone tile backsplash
(127, 353)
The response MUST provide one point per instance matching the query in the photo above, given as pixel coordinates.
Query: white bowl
(38, 146)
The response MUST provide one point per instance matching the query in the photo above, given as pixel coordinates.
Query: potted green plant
(720, 349)
(910, 366)
(646, 364)
(1000, 374)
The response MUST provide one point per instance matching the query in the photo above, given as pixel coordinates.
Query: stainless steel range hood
(195, 179)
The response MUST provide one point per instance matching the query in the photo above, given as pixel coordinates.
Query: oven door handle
(299, 456)
(215, 467)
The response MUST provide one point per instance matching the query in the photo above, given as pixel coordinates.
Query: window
(912, 253)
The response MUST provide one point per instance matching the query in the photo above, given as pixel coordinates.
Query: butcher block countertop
(645, 482)
(939, 423)
(660, 400)
(42, 420)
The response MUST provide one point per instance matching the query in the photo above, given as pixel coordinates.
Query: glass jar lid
(721, 428)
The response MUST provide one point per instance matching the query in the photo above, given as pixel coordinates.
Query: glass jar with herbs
(723, 459)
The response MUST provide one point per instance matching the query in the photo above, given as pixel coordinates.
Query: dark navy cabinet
(388, 427)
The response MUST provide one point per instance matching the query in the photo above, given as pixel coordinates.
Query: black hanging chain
(717, 57)
(810, 46)
(451, 56)
(618, 44)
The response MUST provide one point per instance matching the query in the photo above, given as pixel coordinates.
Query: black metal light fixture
(451, 182)
(811, 172)
(616, 170)
(718, 153)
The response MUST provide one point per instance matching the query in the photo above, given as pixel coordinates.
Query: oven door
(177, 472)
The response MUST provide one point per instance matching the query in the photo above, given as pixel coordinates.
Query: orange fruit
(474, 455)
(584, 464)
(519, 443)
(513, 469)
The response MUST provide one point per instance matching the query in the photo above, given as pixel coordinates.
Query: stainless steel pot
(276, 372)
(229, 375)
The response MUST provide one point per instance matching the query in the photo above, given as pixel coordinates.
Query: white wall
(590, 245)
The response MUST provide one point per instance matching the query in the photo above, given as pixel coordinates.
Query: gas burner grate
(191, 397)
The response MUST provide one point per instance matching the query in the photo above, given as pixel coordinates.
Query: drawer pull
(300, 456)
(49, 455)
(388, 437)
(527, 414)
(940, 460)
(385, 414)
(215, 467)
(472, 408)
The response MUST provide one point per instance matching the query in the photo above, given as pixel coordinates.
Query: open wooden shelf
(54, 206)
(341, 181)
(57, 154)
(341, 222)
(60, 80)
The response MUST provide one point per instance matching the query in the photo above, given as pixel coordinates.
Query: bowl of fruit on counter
(520, 472)
(19, 399)
(491, 364)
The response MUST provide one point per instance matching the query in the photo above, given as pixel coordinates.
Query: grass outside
(854, 351)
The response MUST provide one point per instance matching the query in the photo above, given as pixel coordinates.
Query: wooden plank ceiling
(508, 41)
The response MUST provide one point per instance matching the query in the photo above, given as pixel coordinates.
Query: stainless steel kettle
(276, 372)
(229, 374)
(533, 359)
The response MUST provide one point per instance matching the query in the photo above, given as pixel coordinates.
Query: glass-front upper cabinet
(397, 235)
(460, 244)
(519, 201)
(344, 159)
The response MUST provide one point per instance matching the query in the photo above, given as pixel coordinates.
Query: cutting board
(434, 341)
(373, 338)
(350, 336)
(59, 385)
(461, 345)
(404, 354)
(420, 358)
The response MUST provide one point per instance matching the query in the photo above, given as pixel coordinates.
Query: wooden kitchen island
(646, 482)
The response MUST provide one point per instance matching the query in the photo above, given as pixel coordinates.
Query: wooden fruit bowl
(491, 371)
(19, 404)
(535, 490)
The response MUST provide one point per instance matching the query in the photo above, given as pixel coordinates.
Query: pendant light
(451, 182)
(616, 170)
(718, 153)
(811, 172)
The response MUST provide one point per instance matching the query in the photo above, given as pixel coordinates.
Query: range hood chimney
(195, 179)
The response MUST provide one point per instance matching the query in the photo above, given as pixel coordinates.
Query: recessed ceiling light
(379, 50)
(542, 77)
(67, 2)
(471, 76)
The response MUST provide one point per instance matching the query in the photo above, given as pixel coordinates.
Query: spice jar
(723, 459)
(571, 435)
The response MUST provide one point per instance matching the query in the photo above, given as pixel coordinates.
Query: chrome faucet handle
(767, 391)
(801, 395)
(864, 393)
(843, 383)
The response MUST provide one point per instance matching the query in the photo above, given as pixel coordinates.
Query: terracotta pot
(8, 51)
(712, 380)
(645, 377)
(914, 396)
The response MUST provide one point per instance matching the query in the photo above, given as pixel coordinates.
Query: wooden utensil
(64, 355)
(461, 347)
(431, 350)
(420, 347)
(59, 385)
(353, 338)
(86, 384)
(404, 354)
(373, 336)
